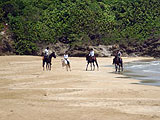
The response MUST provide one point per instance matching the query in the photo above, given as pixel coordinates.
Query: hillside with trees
(132, 24)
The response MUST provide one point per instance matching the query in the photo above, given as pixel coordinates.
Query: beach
(29, 93)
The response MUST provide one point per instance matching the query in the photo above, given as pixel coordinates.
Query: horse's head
(53, 55)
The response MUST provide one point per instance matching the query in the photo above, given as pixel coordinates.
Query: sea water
(146, 71)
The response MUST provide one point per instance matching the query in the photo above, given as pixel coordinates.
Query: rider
(119, 54)
(46, 52)
(66, 57)
(91, 53)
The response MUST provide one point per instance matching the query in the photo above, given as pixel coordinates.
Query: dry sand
(29, 93)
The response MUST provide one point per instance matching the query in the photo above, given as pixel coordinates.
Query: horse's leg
(66, 67)
(69, 66)
(87, 66)
(122, 66)
(119, 68)
(46, 66)
(116, 67)
(43, 64)
(50, 66)
(93, 66)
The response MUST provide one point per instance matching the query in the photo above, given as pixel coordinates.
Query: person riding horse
(46, 53)
(47, 58)
(118, 61)
(91, 59)
(119, 54)
(66, 57)
(66, 61)
(91, 54)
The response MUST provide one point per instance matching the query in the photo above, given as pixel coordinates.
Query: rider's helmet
(91, 49)
(66, 52)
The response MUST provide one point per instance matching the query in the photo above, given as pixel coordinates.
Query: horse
(66, 63)
(47, 60)
(118, 63)
(91, 60)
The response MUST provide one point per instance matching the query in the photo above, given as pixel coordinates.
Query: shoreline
(29, 93)
(144, 79)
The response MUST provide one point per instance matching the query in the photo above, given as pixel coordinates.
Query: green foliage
(1, 26)
(137, 20)
(79, 21)
(25, 47)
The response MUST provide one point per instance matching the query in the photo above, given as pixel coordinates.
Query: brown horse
(47, 60)
(118, 63)
(91, 60)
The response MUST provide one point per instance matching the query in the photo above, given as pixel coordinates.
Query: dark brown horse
(118, 63)
(91, 60)
(47, 60)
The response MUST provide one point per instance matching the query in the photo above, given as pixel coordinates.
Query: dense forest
(79, 22)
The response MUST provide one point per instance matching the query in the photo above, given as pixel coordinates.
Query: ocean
(146, 71)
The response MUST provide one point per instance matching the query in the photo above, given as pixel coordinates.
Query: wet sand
(29, 93)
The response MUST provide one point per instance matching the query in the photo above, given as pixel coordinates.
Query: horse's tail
(42, 57)
(113, 60)
(87, 57)
(121, 62)
(63, 64)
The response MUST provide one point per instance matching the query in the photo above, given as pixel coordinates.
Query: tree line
(79, 22)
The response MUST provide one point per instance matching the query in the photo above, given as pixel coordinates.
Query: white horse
(66, 63)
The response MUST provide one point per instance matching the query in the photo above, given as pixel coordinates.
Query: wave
(155, 63)
(149, 71)
(144, 64)
(136, 66)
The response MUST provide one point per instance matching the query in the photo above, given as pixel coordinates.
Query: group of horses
(90, 60)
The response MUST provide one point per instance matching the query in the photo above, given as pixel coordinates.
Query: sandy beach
(29, 93)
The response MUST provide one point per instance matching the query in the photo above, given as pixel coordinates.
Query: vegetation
(79, 21)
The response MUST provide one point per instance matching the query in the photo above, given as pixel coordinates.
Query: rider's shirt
(46, 52)
(91, 53)
(66, 59)
(119, 54)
